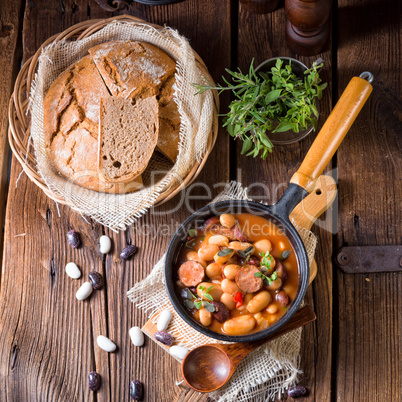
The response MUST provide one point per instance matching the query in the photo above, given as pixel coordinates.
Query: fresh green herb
(225, 251)
(266, 278)
(194, 301)
(285, 254)
(192, 233)
(246, 254)
(267, 260)
(278, 101)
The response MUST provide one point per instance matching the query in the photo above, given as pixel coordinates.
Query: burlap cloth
(118, 211)
(265, 373)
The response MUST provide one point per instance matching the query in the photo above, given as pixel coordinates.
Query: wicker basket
(19, 119)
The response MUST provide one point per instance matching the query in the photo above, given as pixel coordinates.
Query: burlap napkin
(262, 375)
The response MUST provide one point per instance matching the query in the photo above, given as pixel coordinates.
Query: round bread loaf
(127, 69)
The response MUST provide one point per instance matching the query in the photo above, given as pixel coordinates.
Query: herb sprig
(266, 278)
(197, 302)
(278, 101)
(246, 254)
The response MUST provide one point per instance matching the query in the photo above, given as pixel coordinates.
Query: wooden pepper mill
(308, 25)
(259, 6)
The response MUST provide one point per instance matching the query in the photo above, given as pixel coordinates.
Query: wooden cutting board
(304, 215)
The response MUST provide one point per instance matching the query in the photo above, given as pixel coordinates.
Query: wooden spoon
(209, 367)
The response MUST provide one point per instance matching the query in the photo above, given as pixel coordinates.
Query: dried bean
(136, 390)
(105, 344)
(136, 335)
(164, 337)
(73, 239)
(128, 252)
(297, 391)
(96, 279)
(72, 270)
(164, 320)
(84, 291)
(105, 244)
(94, 381)
(178, 352)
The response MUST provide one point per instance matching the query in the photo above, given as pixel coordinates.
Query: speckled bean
(164, 337)
(136, 390)
(73, 239)
(128, 251)
(96, 280)
(94, 381)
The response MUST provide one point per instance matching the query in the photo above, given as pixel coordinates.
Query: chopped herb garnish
(267, 260)
(267, 279)
(197, 302)
(192, 233)
(246, 254)
(285, 254)
(224, 252)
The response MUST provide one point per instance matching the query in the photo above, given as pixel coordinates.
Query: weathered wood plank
(207, 26)
(53, 338)
(48, 336)
(369, 164)
(262, 37)
(10, 48)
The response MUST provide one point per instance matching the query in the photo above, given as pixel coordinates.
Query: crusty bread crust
(71, 124)
(134, 70)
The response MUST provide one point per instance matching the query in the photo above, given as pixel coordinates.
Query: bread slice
(138, 70)
(127, 137)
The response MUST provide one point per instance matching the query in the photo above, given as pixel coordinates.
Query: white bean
(228, 300)
(163, 320)
(105, 344)
(84, 291)
(239, 325)
(205, 317)
(72, 270)
(136, 335)
(206, 253)
(231, 270)
(227, 220)
(229, 286)
(104, 244)
(219, 240)
(178, 352)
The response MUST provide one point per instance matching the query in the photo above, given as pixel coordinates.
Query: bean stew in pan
(237, 274)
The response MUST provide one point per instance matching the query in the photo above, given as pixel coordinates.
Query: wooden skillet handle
(332, 133)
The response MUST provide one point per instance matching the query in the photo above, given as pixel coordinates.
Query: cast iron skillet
(302, 182)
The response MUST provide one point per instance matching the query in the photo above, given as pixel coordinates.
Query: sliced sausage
(191, 273)
(246, 280)
(239, 235)
(210, 222)
(221, 313)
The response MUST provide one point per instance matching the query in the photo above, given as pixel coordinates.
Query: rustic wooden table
(352, 351)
